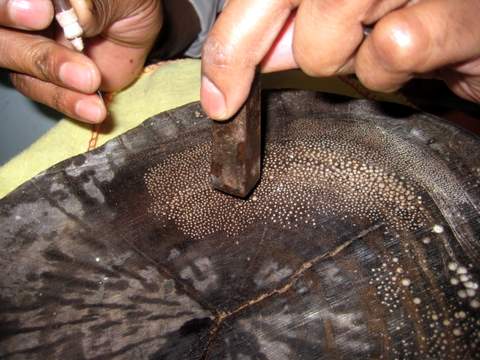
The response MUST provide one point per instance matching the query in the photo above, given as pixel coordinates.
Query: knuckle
(312, 62)
(19, 81)
(400, 43)
(58, 100)
(373, 81)
(100, 13)
(43, 60)
(53, 96)
(216, 53)
(305, 62)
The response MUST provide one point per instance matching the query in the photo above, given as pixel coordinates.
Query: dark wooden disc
(361, 241)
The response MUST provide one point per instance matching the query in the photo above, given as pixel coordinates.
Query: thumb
(119, 36)
(242, 36)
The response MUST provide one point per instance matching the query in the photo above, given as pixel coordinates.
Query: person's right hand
(47, 69)
(439, 38)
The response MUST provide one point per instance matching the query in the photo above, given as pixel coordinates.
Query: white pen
(68, 20)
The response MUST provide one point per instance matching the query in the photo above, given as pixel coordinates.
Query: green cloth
(161, 87)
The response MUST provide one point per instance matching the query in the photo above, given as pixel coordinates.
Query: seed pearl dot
(452, 266)
(475, 304)
(298, 169)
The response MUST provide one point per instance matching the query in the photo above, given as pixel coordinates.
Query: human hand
(118, 34)
(440, 38)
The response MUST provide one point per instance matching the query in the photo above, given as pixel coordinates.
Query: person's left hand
(119, 34)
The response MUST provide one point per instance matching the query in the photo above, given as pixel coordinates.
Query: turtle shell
(360, 242)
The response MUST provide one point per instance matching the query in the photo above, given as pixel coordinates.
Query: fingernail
(76, 76)
(89, 110)
(30, 14)
(213, 99)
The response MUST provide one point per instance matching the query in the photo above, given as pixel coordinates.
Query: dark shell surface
(360, 242)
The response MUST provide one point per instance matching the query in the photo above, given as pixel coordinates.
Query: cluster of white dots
(391, 283)
(453, 333)
(312, 170)
(449, 332)
(385, 149)
(302, 179)
(465, 286)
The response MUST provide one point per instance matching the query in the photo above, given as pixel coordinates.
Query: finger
(240, 39)
(26, 14)
(85, 12)
(329, 32)
(86, 108)
(96, 16)
(129, 62)
(418, 39)
(135, 23)
(47, 61)
(128, 31)
(464, 79)
(383, 7)
(280, 56)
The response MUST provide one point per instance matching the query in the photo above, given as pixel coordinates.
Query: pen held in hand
(67, 18)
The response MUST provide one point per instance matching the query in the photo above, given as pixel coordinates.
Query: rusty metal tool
(236, 148)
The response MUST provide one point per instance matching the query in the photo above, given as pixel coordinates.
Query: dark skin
(121, 35)
(439, 38)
